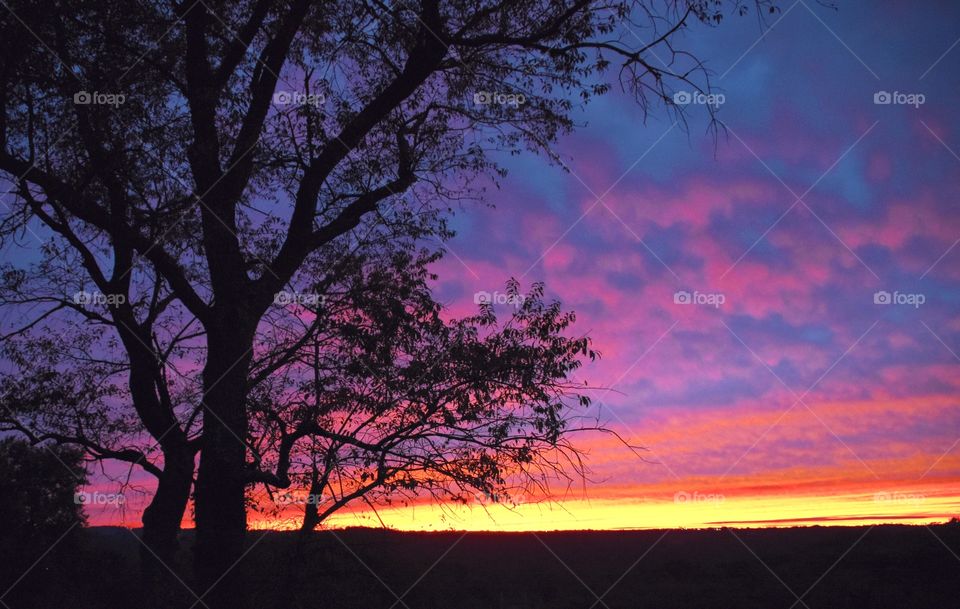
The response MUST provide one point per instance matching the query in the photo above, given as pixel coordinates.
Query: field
(820, 568)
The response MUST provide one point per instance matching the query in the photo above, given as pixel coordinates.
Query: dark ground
(896, 567)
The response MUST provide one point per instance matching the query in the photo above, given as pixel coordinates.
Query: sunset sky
(798, 399)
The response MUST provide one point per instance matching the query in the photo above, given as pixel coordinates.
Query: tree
(379, 396)
(195, 159)
(39, 509)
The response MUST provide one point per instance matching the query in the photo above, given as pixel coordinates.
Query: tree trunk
(295, 558)
(161, 519)
(220, 501)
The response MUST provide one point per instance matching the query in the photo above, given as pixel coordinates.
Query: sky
(776, 307)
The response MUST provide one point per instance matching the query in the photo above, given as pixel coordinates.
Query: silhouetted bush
(40, 516)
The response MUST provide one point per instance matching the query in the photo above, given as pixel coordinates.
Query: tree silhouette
(185, 163)
(381, 397)
(39, 509)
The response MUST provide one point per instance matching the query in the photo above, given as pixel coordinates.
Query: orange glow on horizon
(738, 469)
(927, 503)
